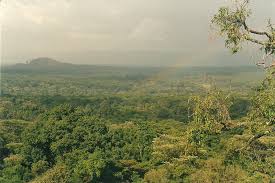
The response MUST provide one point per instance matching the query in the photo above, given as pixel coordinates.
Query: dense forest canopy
(77, 123)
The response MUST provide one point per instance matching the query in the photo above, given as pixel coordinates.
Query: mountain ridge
(44, 61)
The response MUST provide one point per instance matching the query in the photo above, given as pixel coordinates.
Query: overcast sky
(141, 32)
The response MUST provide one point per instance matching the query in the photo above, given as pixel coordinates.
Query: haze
(128, 32)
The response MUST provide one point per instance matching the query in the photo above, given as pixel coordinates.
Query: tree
(232, 23)
(255, 145)
(91, 168)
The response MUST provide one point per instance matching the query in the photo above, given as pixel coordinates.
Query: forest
(136, 124)
(69, 123)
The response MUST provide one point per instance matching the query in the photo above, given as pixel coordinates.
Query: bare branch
(254, 40)
(256, 32)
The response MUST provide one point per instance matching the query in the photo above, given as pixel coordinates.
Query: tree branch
(254, 40)
(256, 32)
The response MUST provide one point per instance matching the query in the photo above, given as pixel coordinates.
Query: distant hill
(41, 65)
(44, 61)
(45, 65)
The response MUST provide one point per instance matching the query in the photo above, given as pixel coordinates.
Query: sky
(121, 32)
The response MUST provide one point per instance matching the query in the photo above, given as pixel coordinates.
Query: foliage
(232, 23)
(111, 125)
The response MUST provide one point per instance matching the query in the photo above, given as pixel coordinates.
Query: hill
(42, 64)
(44, 61)
(51, 66)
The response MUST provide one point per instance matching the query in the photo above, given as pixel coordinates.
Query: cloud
(150, 30)
(77, 28)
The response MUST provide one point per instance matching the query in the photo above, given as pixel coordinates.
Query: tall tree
(231, 22)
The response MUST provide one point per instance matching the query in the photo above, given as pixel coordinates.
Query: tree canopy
(232, 22)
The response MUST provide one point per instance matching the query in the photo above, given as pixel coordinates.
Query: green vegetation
(133, 127)
(67, 123)
(232, 23)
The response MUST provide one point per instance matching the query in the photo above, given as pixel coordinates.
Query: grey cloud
(114, 31)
